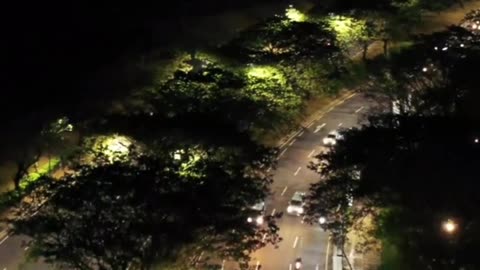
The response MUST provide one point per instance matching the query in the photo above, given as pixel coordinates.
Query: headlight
(260, 220)
(249, 220)
(289, 209)
(300, 210)
(322, 220)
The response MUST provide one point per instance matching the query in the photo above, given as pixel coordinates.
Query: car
(332, 138)
(258, 212)
(296, 204)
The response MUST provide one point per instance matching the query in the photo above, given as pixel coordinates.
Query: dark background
(70, 57)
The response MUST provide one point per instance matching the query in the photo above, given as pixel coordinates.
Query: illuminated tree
(402, 182)
(156, 210)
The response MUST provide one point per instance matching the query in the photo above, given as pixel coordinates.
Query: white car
(332, 138)
(296, 204)
(258, 213)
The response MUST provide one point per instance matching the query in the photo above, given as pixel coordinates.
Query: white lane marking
(359, 109)
(223, 264)
(258, 265)
(289, 138)
(264, 236)
(310, 125)
(303, 219)
(269, 169)
(326, 256)
(296, 172)
(273, 211)
(295, 242)
(340, 124)
(26, 248)
(284, 190)
(317, 266)
(292, 142)
(200, 257)
(311, 153)
(35, 213)
(290, 267)
(301, 133)
(319, 127)
(4, 239)
(281, 154)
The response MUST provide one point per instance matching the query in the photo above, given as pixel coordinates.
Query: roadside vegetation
(204, 126)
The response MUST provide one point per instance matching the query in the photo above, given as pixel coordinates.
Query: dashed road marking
(273, 211)
(310, 125)
(359, 109)
(317, 266)
(292, 142)
(284, 190)
(283, 152)
(311, 153)
(223, 264)
(295, 242)
(296, 172)
(264, 236)
(301, 133)
(258, 265)
(341, 124)
(269, 169)
(290, 267)
(319, 127)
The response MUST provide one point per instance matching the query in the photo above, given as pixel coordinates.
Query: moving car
(258, 211)
(332, 138)
(296, 204)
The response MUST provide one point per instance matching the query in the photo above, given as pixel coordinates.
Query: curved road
(299, 239)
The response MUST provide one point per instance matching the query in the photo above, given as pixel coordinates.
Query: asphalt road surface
(299, 239)
(309, 242)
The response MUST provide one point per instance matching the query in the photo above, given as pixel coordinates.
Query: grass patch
(44, 169)
(13, 197)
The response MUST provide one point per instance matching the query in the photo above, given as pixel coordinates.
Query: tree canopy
(153, 209)
(410, 173)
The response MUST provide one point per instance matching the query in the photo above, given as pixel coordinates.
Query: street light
(449, 226)
(322, 220)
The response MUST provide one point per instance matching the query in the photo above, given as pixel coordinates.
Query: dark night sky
(68, 56)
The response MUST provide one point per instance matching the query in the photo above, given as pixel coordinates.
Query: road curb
(314, 117)
(3, 234)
